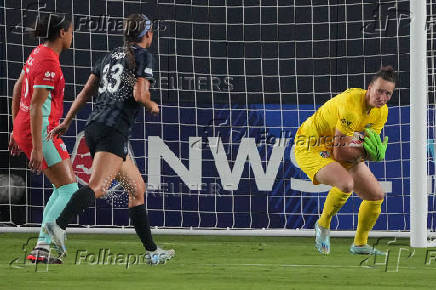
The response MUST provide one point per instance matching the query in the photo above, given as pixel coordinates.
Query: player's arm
(141, 93)
(38, 98)
(83, 97)
(345, 150)
(90, 89)
(144, 78)
(16, 94)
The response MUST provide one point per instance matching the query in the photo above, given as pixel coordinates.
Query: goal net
(431, 116)
(234, 81)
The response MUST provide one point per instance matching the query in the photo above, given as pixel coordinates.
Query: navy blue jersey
(115, 105)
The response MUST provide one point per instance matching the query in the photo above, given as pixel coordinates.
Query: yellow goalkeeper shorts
(311, 159)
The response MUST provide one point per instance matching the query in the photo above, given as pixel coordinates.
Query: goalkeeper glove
(373, 146)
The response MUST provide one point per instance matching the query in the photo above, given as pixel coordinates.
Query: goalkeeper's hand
(373, 146)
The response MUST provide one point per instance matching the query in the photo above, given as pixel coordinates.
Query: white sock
(44, 245)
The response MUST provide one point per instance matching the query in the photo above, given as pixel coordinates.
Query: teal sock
(42, 235)
(64, 195)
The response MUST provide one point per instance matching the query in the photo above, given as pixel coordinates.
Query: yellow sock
(333, 203)
(368, 215)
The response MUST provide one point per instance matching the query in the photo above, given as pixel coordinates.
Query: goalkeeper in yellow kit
(330, 147)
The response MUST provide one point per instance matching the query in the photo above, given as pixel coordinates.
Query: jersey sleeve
(144, 65)
(380, 123)
(46, 74)
(96, 69)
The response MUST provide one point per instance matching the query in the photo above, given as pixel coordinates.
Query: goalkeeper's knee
(377, 196)
(346, 185)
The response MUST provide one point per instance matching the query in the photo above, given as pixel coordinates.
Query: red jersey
(41, 70)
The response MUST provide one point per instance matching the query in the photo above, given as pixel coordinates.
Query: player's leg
(62, 177)
(336, 175)
(370, 190)
(131, 180)
(40, 252)
(58, 169)
(320, 167)
(105, 166)
(43, 238)
(108, 149)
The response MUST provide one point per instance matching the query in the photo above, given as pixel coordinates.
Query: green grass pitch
(217, 262)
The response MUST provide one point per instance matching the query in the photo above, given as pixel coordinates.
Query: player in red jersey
(37, 105)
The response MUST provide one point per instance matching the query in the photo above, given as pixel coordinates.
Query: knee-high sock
(369, 212)
(64, 194)
(333, 203)
(43, 238)
(81, 200)
(139, 217)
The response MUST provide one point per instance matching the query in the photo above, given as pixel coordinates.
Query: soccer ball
(357, 140)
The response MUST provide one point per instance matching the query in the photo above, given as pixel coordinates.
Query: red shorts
(54, 151)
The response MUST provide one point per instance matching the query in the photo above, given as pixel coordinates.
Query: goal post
(418, 124)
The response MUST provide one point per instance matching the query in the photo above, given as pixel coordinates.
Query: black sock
(81, 200)
(139, 217)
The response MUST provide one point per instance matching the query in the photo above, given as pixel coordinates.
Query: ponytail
(135, 27)
(128, 49)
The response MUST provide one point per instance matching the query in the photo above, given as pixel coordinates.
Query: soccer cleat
(159, 256)
(322, 239)
(365, 250)
(57, 235)
(41, 255)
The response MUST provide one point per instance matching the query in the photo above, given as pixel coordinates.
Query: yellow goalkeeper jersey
(345, 112)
